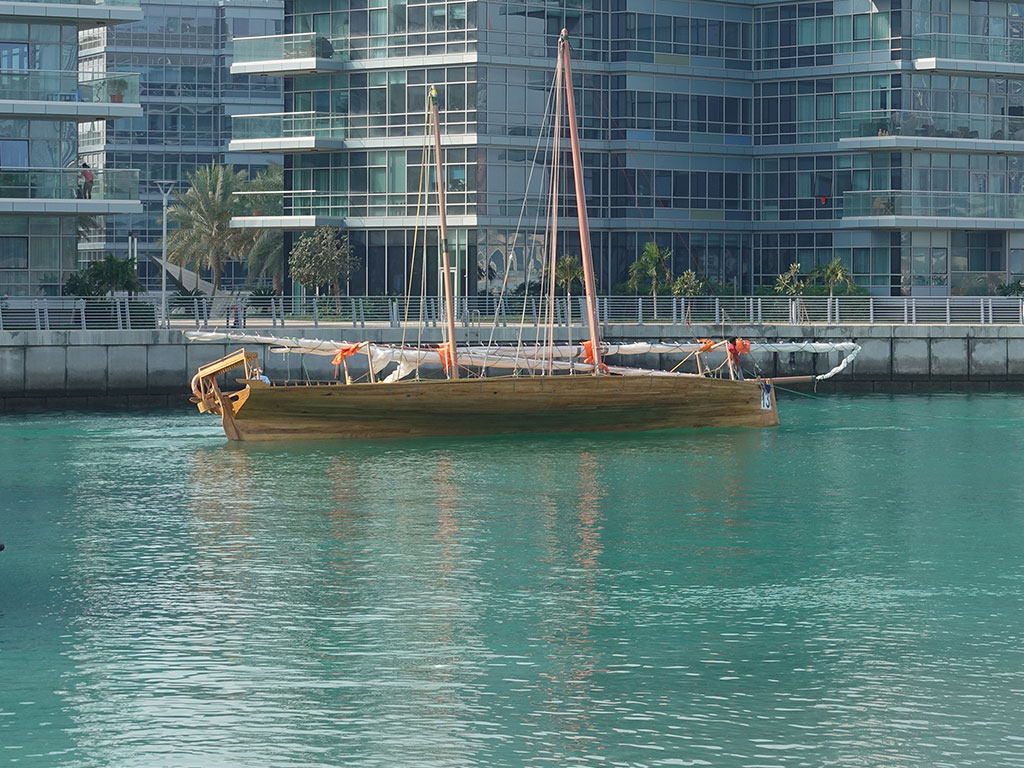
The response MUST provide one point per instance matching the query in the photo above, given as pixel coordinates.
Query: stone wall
(145, 368)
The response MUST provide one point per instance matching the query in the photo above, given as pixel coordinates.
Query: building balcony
(306, 209)
(86, 13)
(914, 208)
(69, 95)
(968, 53)
(287, 132)
(63, 190)
(896, 129)
(286, 55)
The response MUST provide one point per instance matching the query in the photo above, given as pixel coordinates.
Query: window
(14, 56)
(13, 253)
(13, 153)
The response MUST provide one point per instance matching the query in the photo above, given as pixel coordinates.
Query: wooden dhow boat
(550, 388)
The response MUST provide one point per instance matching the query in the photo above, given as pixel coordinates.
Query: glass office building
(44, 194)
(182, 50)
(742, 136)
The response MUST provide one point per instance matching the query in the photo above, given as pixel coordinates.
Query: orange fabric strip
(347, 351)
(588, 355)
(445, 351)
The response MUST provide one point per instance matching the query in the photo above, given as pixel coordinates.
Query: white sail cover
(525, 357)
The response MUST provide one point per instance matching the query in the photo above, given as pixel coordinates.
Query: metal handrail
(241, 311)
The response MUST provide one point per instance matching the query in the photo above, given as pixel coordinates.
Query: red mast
(449, 303)
(581, 204)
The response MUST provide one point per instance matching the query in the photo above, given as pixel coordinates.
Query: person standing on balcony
(87, 181)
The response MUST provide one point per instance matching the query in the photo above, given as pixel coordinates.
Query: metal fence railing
(238, 311)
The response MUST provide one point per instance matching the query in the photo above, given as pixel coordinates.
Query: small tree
(652, 265)
(688, 284)
(789, 282)
(322, 257)
(832, 274)
(106, 276)
(1015, 288)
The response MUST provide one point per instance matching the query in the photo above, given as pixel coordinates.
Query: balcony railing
(69, 86)
(306, 45)
(96, 3)
(237, 311)
(68, 184)
(299, 203)
(968, 48)
(981, 205)
(287, 125)
(945, 125)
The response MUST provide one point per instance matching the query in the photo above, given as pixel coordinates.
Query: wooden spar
(449, 303)
(369, 363)
(556, 159)
(581, 203)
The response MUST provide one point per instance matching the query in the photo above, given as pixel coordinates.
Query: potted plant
(116, 87)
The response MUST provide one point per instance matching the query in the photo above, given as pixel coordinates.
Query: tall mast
(556, 160)
(581, 204)
(449, 303)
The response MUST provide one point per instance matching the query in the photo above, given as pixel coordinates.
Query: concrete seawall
(83, 369)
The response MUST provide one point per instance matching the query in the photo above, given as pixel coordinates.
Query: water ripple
(732, 598)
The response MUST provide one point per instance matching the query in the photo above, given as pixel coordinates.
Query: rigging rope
(415, 238)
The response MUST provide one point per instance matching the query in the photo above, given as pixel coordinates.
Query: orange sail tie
(706, 345)
(344, 351)
(588, 355)
(445, 351)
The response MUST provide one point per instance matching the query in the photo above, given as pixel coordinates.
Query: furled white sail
(526, 358)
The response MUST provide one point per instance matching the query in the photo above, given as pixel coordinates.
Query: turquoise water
(845, 590)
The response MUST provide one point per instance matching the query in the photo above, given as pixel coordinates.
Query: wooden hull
(529, 404)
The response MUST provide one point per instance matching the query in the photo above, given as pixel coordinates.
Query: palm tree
(265, 256)
(568, 271)
(203, 237)
(652, 265)
(834, 273)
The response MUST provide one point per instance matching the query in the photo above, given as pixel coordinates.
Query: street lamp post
(165, 188)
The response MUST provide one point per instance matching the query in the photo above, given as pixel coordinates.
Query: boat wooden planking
(484, 406)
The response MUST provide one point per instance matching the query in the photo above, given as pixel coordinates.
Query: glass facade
(45, 195)
(183, 51)
(743, 137)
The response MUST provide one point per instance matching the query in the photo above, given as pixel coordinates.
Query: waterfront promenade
(140, 368)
